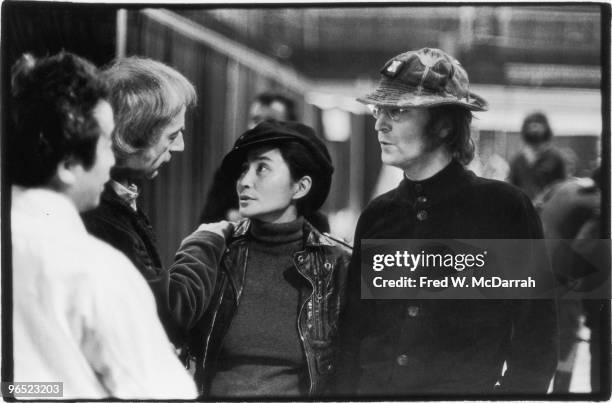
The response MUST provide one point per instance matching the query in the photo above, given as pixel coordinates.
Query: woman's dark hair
(52, 115)
(459, 140)
(301, 162)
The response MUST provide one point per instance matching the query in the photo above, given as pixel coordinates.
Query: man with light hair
(82, 314)
(150, 100)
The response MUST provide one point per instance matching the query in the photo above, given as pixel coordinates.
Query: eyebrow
(260, 158)
(176, 131)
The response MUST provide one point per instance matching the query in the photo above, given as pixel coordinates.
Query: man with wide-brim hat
(405, 348)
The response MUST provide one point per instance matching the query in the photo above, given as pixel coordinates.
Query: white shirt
(82, 314)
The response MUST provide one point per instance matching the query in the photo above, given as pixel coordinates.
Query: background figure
(570, 210)
(539, 163)
(82, 314)
(494, 166)
(270, 105)
(222, 202)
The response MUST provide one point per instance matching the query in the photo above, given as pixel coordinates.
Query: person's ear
(302, 187)
(443, 128)
(66, 173)
(444, 131)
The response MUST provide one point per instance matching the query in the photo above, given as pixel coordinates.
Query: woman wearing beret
(271, 326)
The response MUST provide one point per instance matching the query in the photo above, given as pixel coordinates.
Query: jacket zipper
(311, 389)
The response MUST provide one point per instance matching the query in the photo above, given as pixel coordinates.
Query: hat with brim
(424, 78)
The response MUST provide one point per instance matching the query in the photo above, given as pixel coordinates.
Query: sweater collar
(277, 233)
(435, 188)
(311, 234)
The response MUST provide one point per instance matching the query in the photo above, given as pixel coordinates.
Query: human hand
(223, 228)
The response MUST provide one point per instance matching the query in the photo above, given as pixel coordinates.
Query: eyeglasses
(392, 112)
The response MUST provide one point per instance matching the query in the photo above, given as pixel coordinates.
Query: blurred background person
(82, 314)
(539, 163)
(222, 201)
(493, 165)
(271, 330)
(271, 105)
(570, 210)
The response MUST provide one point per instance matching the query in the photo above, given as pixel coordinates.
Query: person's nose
(245, 180)
(382, 123)
(178, 145)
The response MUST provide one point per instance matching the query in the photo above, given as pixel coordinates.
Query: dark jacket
(323, 263)
(182, 290)
(548, 167)
(446, 347)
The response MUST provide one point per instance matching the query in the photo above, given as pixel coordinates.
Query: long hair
(459, 140)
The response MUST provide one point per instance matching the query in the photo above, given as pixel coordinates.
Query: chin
(245, 213)
(388, 160)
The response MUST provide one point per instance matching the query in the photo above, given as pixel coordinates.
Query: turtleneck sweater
(262, 354)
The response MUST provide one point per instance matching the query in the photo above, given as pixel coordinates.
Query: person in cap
(271, 328)
(539, 164)
(401, 348)
(222, 201)
(82, 315)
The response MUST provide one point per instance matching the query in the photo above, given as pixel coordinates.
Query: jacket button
(413, 311)
(422, 215)
(421, 199)
(402, 360)
(300, 258)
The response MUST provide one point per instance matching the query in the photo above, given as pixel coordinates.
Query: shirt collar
(128, 194)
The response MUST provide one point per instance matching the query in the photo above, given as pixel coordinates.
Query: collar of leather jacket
(313, 236)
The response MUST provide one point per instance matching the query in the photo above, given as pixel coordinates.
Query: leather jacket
(323, 263)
